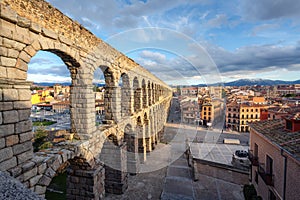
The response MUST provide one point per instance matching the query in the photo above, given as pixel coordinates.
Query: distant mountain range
(251, 82)
(240, 82)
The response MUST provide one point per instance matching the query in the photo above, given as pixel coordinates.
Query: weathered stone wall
(219, 171)
(15, 127)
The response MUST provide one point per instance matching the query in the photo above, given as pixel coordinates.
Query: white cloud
(37, 78)
(218, 21)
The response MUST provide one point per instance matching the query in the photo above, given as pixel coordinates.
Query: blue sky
(191, 42)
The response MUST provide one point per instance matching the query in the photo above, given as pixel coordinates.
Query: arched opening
(115, 164)
(50, 98)
(57, 189)
(137, 95)
(51, 115)
(149, 94)
(144, 94)
(99, 91)
(124, 83)
(132, 149)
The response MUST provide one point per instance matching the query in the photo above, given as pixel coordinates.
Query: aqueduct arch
(29, 26)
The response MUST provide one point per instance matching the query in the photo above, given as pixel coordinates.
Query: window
(251, 110)
(242, 110)
(256, 110)
(234, 109)
(256, 177)
(242, 116)
(269, 165)
(229, 120)
(229, 109)
(209, 109)
(255, 150)
(204, 108)
(289, 125)
(209, 113)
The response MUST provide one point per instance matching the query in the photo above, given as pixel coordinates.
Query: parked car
(240, 158)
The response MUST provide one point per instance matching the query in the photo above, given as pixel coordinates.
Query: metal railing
(253, 158)
(267, 177)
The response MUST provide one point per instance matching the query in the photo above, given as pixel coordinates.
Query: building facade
(275, 158)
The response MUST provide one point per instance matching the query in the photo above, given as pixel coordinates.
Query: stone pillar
(145, 97)
(152, 135)
(82, 107)
(137, 99)
(148, 139)
(141, 143)
(112, 103)
(115, 162)
(126, 104)
(133, 165)
(15, 126)
(84, 182)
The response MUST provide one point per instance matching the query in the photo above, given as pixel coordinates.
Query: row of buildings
(201, 105)
(243, 107)
(57, 98)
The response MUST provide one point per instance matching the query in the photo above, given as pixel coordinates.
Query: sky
(189, 41)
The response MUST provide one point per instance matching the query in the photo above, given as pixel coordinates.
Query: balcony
(253, 158)
(268, 178)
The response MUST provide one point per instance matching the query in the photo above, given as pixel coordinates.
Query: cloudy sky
(191, 41)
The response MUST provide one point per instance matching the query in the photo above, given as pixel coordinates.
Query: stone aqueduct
(136, 110)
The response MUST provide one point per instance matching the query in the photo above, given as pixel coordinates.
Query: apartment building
(189, 111)
(207, 112)
(232, 116)
(239, 115)
(249, 112)
(275, 158)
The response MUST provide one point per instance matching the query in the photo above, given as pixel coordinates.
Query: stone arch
(126, 96)
(137, 95)
(72, 163)
(48, 169)
(112, 105)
